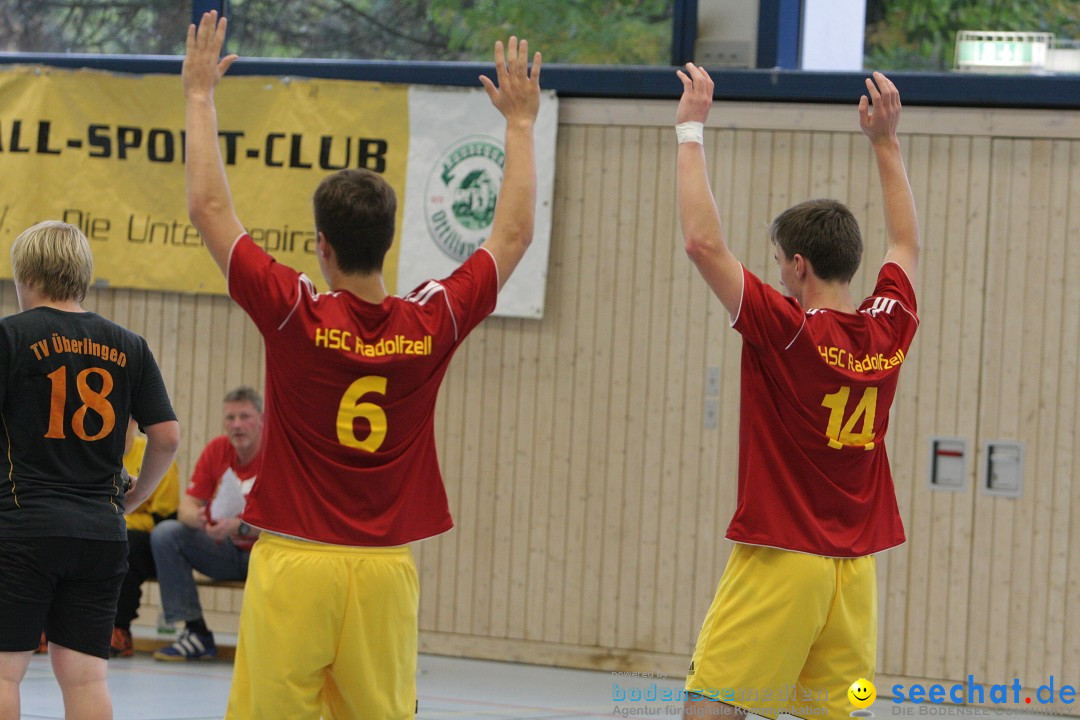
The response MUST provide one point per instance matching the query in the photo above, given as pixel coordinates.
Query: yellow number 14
(843, 434)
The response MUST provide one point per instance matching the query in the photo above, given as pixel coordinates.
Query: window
(606, 32)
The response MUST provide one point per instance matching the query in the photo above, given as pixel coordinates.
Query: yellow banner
(105, 152)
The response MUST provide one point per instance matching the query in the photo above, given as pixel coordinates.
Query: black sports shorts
(65, 586)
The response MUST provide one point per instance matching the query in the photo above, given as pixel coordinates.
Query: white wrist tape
(690, 132)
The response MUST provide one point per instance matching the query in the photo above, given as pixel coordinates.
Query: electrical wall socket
(712, 413)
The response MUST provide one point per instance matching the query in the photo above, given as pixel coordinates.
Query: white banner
(454, 171)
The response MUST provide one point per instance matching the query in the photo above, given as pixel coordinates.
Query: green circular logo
(461, 191)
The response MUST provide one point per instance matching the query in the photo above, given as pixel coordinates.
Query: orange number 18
(95, 400)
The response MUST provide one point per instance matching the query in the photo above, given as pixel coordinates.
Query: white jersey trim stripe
(228, 263)
(797, 334)
(425, 293)
(429, 290)
(913, 316)
(495, 263)
(893, 262)
(742, 298)
(302, 282)
(452, 316)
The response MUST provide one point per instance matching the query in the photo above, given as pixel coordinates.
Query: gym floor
(449, 688)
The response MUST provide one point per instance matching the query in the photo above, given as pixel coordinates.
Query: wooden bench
(226, 648)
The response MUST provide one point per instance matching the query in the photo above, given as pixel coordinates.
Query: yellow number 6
(351, 408)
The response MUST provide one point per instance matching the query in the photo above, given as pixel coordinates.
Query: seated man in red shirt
(209, 535)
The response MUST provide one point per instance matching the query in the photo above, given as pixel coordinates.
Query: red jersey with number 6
(817, 386)
(348, 437)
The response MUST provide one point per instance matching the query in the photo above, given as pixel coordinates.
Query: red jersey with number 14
(348, 434)
(817, 386)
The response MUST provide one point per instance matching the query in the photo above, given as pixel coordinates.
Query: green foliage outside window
(921, 34)
(568, 31)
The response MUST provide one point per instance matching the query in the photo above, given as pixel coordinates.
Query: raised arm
(698, 216)
(209, 203)
(517, 97)
(879, 116)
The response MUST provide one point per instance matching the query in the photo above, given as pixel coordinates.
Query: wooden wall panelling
(499, 411)
(1000, 394)
(1006, 423)
(983, 585)
(183, 380)
(965, 260)
(1023, 288)
(629, 427)
(530, 501)
(920, 374)
(561, 312)
(622, 483)
(520, 465)
(937, 396)
(836, 181)
(504, 481)
(1040, 371)
(517, 468)
(218, 360)
(651, 391)
(546, 545)
(230, 328)
(602, 203)
(1045, 657)
(667, 326)
(164, 311)
(635, 596)
(756, 181)
(1066, 517)
(481, 457)
(580, 478)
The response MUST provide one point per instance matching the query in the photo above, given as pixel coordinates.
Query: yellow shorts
(788, 632)
(326, 631)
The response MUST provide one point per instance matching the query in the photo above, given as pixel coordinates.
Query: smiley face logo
(862, 693)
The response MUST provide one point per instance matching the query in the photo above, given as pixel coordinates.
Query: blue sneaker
(189, 646)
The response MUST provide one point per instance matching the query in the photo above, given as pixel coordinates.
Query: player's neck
(369, 286)
(30, 299)
(826, 296)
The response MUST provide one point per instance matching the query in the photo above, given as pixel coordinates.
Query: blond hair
(54, 259)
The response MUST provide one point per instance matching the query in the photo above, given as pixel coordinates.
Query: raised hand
(202, 69)
(517, 95)
(697, 94)
(879, 114)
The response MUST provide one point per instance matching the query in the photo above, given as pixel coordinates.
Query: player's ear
(322, 246)
(801, 266)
